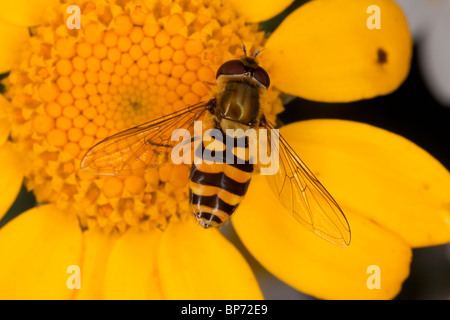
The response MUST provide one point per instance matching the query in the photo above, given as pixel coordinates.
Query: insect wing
(135, 150)
(303, 195)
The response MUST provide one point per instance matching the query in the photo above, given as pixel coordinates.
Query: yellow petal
(10, 178)
(379, 175)
(257, 10)
(312, 265)
(4, 107)
(13, 37)
(131, 269)
(25, 12)
(36, 249)
(195, 263)
(5, 127)
(325, 51)
(96, 250)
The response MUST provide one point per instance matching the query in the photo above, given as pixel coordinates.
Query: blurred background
(412, 112)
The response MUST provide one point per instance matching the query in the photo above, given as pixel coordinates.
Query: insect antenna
(244, 49)
(257, 52)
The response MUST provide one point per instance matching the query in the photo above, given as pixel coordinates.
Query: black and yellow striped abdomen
(217, 188)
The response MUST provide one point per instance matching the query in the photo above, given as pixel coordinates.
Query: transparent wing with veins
(304, 196)
(135, 150)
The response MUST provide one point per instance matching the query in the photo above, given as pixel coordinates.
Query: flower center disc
(126, 65)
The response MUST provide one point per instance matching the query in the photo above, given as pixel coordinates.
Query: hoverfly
(216, 189)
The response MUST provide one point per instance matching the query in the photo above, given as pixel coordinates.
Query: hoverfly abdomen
(216, 187)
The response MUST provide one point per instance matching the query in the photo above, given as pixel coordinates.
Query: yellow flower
(134, 237)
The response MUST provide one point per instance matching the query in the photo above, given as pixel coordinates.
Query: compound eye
(232, 67)
(261, 75)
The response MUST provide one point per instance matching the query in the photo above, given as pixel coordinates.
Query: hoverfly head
(246, 65)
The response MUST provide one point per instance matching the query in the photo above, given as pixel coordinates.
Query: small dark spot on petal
(382, 56)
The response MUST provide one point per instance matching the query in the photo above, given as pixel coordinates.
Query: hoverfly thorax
(242, 84)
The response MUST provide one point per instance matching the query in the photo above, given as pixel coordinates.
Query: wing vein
(304, 196)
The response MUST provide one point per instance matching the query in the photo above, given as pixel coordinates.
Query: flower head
(134, 236)
(127, 64)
